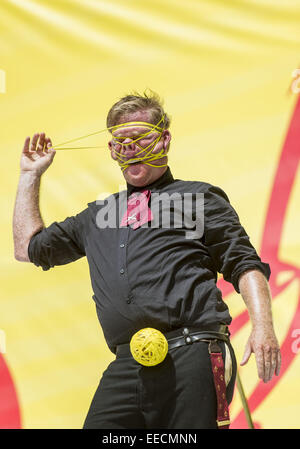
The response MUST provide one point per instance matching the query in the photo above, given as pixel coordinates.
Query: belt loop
(213, 347)
(187, 337)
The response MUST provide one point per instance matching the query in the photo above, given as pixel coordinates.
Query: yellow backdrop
(224, 69)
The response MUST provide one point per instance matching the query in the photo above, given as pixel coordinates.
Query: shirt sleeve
(227, 241)
(60, 243)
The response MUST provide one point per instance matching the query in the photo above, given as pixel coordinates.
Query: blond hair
(148, 101)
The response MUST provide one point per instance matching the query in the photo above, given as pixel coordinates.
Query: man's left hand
(264, 344)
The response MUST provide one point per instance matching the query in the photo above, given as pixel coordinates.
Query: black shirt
(154, 277)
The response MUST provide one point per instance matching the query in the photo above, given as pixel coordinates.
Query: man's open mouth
(133, 161)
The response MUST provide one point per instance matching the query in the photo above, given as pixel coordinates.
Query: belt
(185, 336)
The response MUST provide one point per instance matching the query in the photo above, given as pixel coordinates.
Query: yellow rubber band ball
(149, 346)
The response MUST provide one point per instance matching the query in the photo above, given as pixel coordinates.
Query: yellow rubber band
(146, 159)
(149, 125)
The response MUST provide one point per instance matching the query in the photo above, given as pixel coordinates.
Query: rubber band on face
(122, 159)
(146, 159)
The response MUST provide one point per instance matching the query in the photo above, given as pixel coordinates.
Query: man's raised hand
(37, 155)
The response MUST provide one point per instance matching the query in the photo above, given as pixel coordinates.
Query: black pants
(179, 393)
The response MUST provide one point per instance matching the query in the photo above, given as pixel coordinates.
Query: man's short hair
(148, 101)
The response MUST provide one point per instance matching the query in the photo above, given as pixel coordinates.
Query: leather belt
(185, 336)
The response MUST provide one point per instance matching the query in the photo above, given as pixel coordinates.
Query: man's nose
(128, 145)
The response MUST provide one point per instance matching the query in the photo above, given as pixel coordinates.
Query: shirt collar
(164, 180)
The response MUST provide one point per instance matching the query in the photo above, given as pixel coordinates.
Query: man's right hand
(38, 155)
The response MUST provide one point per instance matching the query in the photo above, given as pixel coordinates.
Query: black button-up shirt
(154, 276)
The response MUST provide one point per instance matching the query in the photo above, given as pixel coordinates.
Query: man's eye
(135, 138)
(147, 137)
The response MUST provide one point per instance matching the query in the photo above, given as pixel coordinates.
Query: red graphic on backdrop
(283, 183)
(10, 416)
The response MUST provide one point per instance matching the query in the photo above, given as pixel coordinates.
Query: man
(147, 276)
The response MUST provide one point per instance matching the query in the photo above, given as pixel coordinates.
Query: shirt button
(122, 245)
(122, 271)
(129, 299)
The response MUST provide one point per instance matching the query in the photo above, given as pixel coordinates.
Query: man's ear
(166, 139)
(112, 151)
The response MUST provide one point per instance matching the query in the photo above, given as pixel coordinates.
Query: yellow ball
(149, 346)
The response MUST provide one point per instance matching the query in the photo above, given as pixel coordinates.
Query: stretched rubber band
(124, 164)
(121, 125)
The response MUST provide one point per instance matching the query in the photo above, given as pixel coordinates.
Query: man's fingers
(267, 363)
(50, 150)
(26, 145)
(41, 144)
(273, 363)
(34, 142)
(26, 149)
(48, 144)
(278, 366)
(259, 356)
(246, 355)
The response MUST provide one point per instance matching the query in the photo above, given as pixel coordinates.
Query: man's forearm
(27, 219)
(255, 291)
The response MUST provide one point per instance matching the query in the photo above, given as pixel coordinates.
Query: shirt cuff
(261, 266)
(33, 257)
